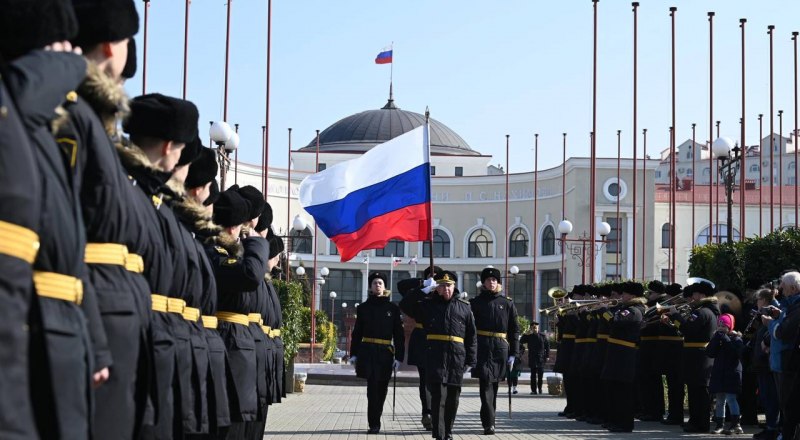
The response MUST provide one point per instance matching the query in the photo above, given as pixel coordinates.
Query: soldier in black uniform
(566, 324)
(651, 389)
(417, 342)
(579, 374)
(451, 347)
(378, 346)
(498, 342)
(620, 366)
(670, 351)
(697, 328)
(63, 370)
(21, 30)
(273, 320)
(538, 355)
(240, 267)
(192, 211)
(600, 318)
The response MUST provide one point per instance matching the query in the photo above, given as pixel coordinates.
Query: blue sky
(485, 69)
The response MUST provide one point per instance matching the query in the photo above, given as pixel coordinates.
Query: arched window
(480, 244)
(518, 243)
(393, 247)
(666, 241)
(301, 241)
(549, 241)
(441, 245)
(753, 168)
(720, 232)
(333, 250)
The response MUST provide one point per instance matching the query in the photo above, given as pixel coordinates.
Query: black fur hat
(491, 272)
(32, 24)
(633, 288)
(105, 21)
(203, 170)
(130, 65)
(256, 199)
(275, 244)
(231, 209)
(162, 117)
(656, 286)
(190, 152)
(673, 289)
(427, 272)
(380, 275)
(213, 193)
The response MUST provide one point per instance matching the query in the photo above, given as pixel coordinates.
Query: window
(321, 167)
(441, 245)
(301, 241)
(347, 285)
(612, 272)
(480, 244)
(720, 232)
(332, 249)
(612, 238)
(459, 171)
(393, 247)
(658, 174)
(689, 172)
(665, 276)
(689, 152)
(433, 170)
(681, 170)
(548, 241)
(518, 243)
(547, 279)
(753, 168)
(666, 241)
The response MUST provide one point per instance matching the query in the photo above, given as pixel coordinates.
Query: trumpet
(589, 303)
(557, 293)
(684, 308)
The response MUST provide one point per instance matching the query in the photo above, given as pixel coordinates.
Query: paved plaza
(340, 412)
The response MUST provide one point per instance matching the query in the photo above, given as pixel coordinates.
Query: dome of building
(359, 132)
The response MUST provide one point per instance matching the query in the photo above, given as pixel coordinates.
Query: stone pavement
(328, 412)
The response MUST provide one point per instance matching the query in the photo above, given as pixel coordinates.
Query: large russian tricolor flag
(382, 195)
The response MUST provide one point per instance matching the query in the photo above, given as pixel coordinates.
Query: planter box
(304, 353)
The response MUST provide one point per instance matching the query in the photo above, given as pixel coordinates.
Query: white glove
(511, 360)
(429, 285)
(395, 365)
(352, 360)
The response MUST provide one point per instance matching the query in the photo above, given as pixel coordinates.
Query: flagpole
(430, 203)
(391, 74)
(391, 271)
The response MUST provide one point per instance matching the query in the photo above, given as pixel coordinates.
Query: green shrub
(325, 330)
(291, 299)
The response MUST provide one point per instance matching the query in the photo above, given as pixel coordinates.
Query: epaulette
(220, 250)
(230, 262)
(72, 97)
(510, 299)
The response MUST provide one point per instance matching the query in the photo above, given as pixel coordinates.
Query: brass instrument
(574, 305)
(729, 303)
(653, 314)
(694, 280)
(557, 293)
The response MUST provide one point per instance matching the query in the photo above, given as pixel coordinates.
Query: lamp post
(577, 247)
(729, 155)
(513, 270)
(227, 141)
(333, 303)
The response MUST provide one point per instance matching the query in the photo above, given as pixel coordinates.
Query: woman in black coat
(378, 346)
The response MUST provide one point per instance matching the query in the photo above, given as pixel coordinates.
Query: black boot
(718, 425)
(734, 427)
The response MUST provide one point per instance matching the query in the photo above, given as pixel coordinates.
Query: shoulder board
(157, 201)
(220, 250)
(464, 301)
(230, 261)
(510, 299)
(72, 96)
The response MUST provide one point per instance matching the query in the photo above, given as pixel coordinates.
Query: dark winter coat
(274, 320)
(697, 330)
(789, 332)
(20, 193)
(566, 326)
(39, 81)
(538, 349)
(582, 346)
(726, 374)
(494, 313)
(445, 361)
(377, 318)
(239, 270)
(417, 341)
(623, 339)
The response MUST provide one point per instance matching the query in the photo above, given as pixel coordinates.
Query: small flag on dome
(385, 57)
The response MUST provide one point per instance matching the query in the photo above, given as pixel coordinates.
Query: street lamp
(729, 156)
(333, 303)
(577, 247)
(227, 141)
